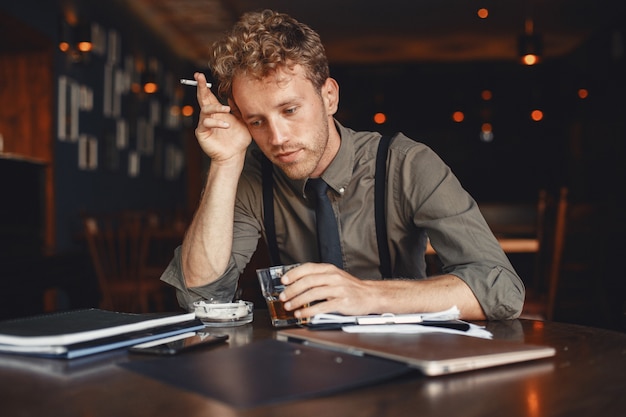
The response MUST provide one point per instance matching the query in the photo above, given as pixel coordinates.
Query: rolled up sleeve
(499, 290)
(222, 290)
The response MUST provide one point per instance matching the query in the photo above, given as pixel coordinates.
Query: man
(274, 73)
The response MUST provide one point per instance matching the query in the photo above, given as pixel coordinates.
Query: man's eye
(291, 110)
(255, 123)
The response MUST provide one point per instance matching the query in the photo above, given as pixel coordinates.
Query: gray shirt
(423, 198)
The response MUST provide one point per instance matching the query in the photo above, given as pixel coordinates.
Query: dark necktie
(327, 230)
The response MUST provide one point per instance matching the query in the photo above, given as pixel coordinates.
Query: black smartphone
(179, 343)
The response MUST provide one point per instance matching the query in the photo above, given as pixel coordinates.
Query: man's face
(289, 120)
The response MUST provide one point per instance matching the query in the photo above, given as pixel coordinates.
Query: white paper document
(446, 321)
(474, 330)
(452, 313)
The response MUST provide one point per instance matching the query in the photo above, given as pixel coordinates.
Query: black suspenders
(379, 208)
(267, 169)
(380, 183)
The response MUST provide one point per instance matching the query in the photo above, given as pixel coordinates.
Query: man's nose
(277, 133)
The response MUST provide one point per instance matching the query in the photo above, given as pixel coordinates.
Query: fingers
(204, 95)
(306, 270)
(209, 106)
(208, 113)
(319, 288)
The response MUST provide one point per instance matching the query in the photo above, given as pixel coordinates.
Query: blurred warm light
(65, 34)
(486, 132)
(583, 93)
(536, 115)
(530, 44)
(83, 37)
(84, 46)
(483, 13)
(150, 88)
(530, 59)
(532, 401)
(70, 16)
(380, 118)
(74, 39)
(486, 95)
(187, 110)
(458, 116)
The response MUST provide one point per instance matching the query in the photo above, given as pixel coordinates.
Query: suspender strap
(380, 183)
(268, 209)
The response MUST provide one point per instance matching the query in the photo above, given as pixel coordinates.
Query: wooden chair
(570, 261)
(577, 262)
(117, 245)
(557, 253)
(541, 293)
(162, 233)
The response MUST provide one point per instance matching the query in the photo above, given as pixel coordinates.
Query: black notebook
(82, 332)
(267, 372)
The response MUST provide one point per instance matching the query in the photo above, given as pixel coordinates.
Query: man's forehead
(280, 88)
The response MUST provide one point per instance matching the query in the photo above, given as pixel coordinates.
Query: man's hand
(312, 289)
(220, 134)
(325, 288)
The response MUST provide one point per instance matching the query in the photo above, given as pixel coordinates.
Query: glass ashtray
(224, 314)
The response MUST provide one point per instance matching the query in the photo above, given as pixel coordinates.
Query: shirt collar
(339, 172)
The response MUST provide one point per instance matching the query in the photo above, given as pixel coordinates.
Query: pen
(192, 82)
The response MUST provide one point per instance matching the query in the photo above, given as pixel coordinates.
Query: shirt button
(342, 190)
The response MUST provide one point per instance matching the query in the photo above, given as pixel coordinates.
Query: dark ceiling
(358, 31)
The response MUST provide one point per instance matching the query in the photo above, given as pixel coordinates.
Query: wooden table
(509, 245)
(587, 377)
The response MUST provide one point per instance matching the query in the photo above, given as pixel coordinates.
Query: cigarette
(192, 82)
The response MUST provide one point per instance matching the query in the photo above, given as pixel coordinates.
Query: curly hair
(262, 42)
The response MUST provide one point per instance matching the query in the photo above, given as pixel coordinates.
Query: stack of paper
(446, 321)
(452, 313)
(79, 333)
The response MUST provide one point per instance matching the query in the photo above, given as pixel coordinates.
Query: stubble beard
(304, 167)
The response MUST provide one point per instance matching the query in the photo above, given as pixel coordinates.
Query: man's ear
(330, 95)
